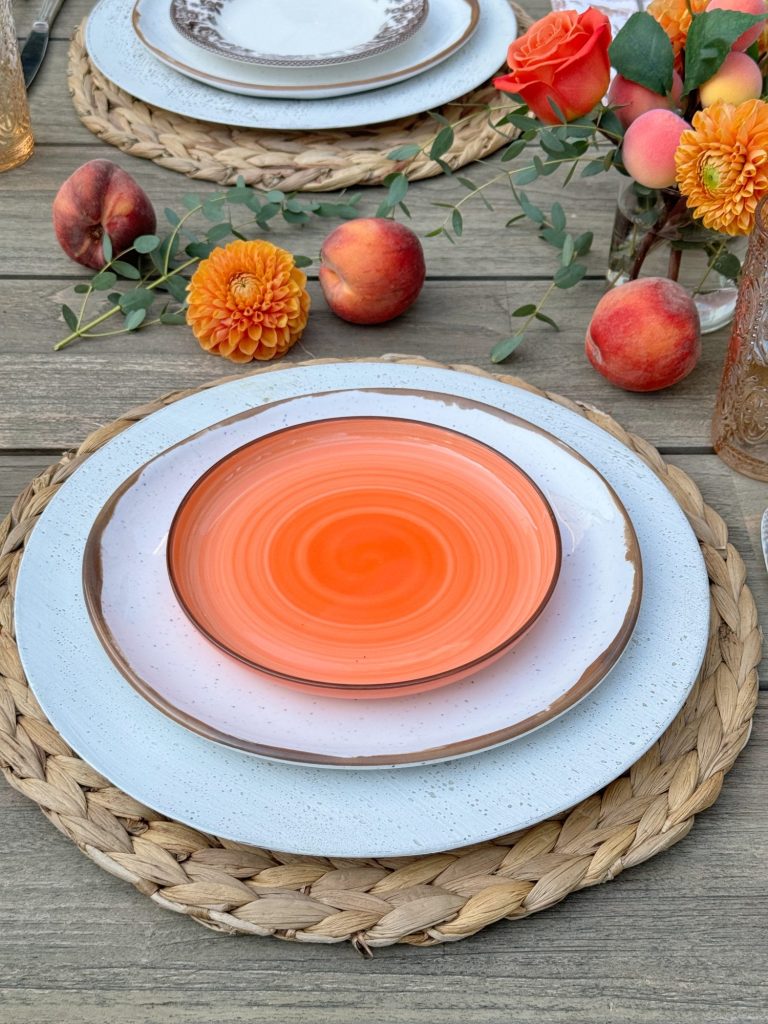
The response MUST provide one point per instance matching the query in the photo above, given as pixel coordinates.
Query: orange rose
(563, 57)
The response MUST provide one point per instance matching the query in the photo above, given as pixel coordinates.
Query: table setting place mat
(312, 159)
(279, 839)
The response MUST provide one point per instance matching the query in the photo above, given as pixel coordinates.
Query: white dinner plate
(119, 54)
(448, 26)
(578, 638)
(297, 33)
(357, 813)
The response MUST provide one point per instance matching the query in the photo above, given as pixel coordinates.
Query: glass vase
(16, 142)
(740, 426)
(655, 235)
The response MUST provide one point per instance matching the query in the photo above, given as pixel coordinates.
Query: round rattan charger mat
(424, 900)
(312, 161)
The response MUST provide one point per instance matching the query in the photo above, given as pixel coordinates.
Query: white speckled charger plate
(572, 646)
(357, 813)
(117, 52)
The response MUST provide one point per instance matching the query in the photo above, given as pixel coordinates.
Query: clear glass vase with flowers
(682, 121)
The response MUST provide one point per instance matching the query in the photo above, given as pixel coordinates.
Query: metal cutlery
(33, 50)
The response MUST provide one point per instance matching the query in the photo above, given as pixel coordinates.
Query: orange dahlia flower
(722, 164)
(675, 18)
(248, 301)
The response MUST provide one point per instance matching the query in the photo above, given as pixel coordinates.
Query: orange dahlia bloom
(722, 164)
(248, 301)
(675, 18)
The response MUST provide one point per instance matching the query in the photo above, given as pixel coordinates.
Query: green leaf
(547, 320)
(513, 149)
(527, 310)
(106, 247)
(138, 298)
(592, 168)
(531, 211)
(290, 217)
(526, 175)
(103, 281)
(81, 289)
(199, 250)
(69, 317)
(126, 270)
(172, 318)
(514, 220)
(241, 197)
(406, 152)
(642, 52)
(135, 319)
(569, 250)
(434, 233)
(583, 243)
(398, 189)
(275, 196)
(728, 265)
(440, 118)
(191, 202)
(557, 217)
(146, 243)
(405, 210)
(457, 223)
(171, 216)
(303, 261)
(212, 210)
(553, 237)
(442, 143)
(218, 231)
(709, 42)
(503, 349)
(556, 110)
(609, 122)
(567, 277)
(521, 121)
(177, 287)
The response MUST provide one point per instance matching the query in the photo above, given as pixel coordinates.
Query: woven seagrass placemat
(232, 887)
(312, 161)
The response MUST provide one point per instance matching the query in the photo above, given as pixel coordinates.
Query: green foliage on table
(642, 52)
(153, 273)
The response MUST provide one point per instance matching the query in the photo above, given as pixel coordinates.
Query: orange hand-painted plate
(364, 555)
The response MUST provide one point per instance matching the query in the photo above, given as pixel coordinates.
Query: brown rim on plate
(589, 679)
(195, 20)
(414, 69)
(361, 689)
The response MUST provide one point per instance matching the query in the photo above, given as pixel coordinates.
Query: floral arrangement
(683, 120)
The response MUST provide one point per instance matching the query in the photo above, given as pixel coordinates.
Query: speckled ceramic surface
(448, 26)
(298, 33)
(357, 813)
(579, 636)
(117, 52)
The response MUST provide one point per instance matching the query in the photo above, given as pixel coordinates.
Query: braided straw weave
(232, 887)
(316, 161)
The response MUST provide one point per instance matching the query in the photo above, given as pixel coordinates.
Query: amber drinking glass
(16, 142)
(740, 427)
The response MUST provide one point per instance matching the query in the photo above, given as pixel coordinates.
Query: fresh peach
(372, 270)
(100, 197)
(738, 79)
(649, 147)
(631, 100)
(746, 39)
(645, 335)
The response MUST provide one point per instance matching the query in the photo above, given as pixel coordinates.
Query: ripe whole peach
(631, 100)
(644, 335)
(737, 79)
(649, 147)
(100, 197)
(746, 39)
(371, 270)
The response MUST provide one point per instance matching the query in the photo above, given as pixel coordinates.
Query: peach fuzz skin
(746, 39)
(737, 80)
(631, 100)
(100, 197)
(371, 270)
(644, 335)
(649, 148)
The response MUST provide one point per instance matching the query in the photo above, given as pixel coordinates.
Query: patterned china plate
(448, 26)
(313, 811)
(298, 33)
(574, 643)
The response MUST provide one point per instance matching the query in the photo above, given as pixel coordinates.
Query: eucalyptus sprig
(155, 267)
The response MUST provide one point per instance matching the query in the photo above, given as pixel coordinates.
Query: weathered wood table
(679, 939)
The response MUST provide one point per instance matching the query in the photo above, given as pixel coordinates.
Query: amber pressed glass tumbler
(740, 426)
(16, 142)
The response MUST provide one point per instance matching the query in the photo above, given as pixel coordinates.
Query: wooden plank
(675, 939)
(26, 196)
(55, 398)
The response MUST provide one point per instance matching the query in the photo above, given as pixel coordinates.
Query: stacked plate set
(299, 64)
(362, 609)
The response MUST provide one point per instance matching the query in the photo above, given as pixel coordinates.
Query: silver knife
(764, 536)
(33, 50)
